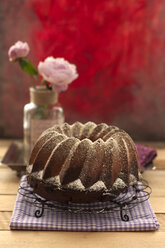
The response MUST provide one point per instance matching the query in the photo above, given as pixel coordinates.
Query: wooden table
(8, 189)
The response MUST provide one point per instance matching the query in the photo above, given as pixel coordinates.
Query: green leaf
(28, 67)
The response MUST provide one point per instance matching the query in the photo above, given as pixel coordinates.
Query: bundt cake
(82, 163)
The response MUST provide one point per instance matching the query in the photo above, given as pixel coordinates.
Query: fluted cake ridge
(84, 158)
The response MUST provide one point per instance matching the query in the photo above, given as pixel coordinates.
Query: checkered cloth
(141, 217)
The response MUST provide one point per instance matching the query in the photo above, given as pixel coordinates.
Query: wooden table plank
(159, 161)
(7, 202)
(158, 204)
(4, 144)
(5, 220)
(8, 181)
(156, 180)
(40, 239)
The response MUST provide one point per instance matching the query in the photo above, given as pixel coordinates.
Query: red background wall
(118, 47)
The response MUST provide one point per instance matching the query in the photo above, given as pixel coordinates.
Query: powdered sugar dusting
(99, 185)
(132, 179)
(38, 174)
(29, 168)
(119, 184)
(77, 185)
(54, 180)
(127, 150)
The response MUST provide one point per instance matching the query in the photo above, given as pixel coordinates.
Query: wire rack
(128, 199)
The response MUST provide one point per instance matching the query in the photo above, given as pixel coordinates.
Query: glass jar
(42, 112)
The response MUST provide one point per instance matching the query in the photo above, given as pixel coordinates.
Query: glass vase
(42, 112)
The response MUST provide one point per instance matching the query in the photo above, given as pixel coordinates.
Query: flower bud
(18, 50)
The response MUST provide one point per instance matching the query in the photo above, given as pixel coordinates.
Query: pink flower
(58, 72)
(18, 50)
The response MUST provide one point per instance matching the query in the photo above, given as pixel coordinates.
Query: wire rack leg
(124, 217)
(39, 212)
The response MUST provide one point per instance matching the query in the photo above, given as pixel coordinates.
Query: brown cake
(82, 163)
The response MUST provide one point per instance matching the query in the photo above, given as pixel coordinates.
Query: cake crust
(83, 163)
